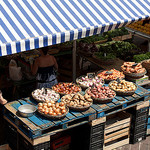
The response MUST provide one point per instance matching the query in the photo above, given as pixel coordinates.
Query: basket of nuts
(77, 102)
(53, 110)
(123, 87)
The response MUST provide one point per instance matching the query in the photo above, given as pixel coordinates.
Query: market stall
(31, 25)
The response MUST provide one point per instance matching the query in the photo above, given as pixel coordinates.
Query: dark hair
(45, 50)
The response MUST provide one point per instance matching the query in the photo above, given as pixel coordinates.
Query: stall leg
(74, 60)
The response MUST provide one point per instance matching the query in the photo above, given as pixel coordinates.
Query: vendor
(45, 67)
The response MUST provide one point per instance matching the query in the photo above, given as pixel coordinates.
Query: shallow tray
(42, 100)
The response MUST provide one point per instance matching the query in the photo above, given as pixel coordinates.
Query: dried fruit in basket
(132, 67)
(111, 76)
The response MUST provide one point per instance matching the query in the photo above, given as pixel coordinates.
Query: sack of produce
(14, 71)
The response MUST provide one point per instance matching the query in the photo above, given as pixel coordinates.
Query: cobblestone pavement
(143, 145)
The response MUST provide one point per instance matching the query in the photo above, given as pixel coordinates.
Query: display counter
(37, 129)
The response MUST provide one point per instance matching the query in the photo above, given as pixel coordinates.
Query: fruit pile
(52, 108)
(88, 82)
(77, 100)
(132, 67)
(101, 92)
(66, 88)
(112, 74)
(140, 27)
(122, 86)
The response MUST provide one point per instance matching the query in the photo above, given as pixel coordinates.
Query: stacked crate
(117, 130)
(97, 134)
(19, 141)
(139, 122)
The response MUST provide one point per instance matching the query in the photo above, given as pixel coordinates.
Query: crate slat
(116, 137)
(117, 144)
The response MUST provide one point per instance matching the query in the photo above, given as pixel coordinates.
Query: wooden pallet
(37, 125)
(117, 130)
(120, 103)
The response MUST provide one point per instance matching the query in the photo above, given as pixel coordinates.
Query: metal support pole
(74, 60)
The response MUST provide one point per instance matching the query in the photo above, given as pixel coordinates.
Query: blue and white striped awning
(30, 24)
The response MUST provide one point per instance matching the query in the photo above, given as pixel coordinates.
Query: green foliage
(141, 57)
(108, 56)
(116, 32)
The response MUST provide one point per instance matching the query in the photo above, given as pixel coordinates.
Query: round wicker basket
(77, 108)
(54, 117)
(101, 101)
(38, 100)
(107, 80)
(126, 93)
(85, 87)
(62, 94)
(146, 64)
(135, 75)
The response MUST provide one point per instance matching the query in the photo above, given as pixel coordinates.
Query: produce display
(45, 94)
(132, 67)
(101, 92)
(66, 88)
(141, 26)
(77, 101)
(85, 81)
(112, 74)
(122, 86)
(52, 109)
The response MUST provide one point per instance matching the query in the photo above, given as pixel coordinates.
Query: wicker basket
(127, 93)
(82, 86)
(135, 75)
(101, 101)
(106, 80)
(78, 108)
(54, 117)
(146, 64)
(62, 94)
(42, 100)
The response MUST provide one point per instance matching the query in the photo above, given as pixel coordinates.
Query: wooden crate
(117, 129)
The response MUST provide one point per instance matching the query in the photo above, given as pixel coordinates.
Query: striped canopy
(31, 24)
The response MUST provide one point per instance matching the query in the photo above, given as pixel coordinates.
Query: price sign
(108, 72)
(91, 75)
(135, 64)
(118, 80)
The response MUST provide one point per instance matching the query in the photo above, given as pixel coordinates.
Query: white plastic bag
(14, 71)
